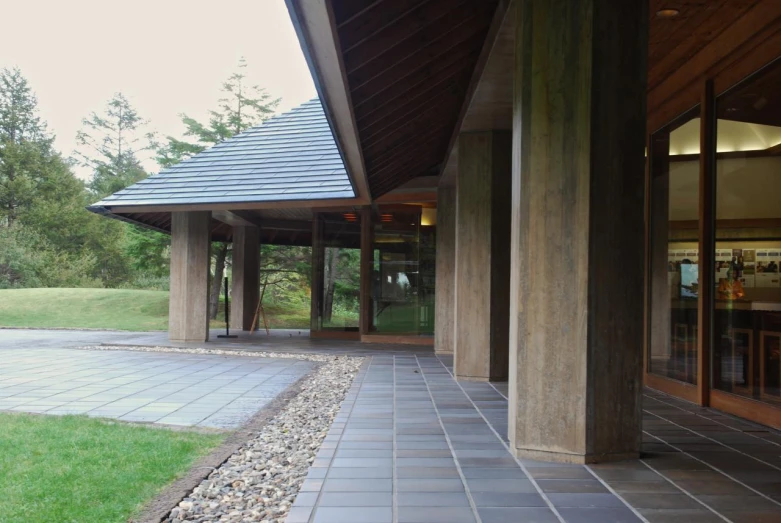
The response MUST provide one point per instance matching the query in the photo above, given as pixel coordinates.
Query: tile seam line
(713, 440)
(711, 420)
(175, 392)
(610, 489)
(394, 475)
(362, 372)
(714, 468)
(673, 483)
(507, 447)
(128, 383)
(467, 490)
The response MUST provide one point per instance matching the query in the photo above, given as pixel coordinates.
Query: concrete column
(576, 333)
(245, 286)
(445, 285)
(188, 309)
(482, 256)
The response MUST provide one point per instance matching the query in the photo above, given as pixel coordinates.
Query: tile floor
(412, 445)
(175, 389)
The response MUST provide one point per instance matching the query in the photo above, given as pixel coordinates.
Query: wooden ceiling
(408, 66)
(673, 41)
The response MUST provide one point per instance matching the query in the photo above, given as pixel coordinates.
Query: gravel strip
(260, 481)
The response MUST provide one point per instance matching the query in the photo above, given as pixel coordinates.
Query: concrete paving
(42, 372)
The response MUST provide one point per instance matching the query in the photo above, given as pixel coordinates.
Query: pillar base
(482, 379)
(577, 459)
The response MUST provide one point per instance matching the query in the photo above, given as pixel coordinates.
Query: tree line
(47, 238)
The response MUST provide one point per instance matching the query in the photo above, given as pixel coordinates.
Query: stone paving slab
(153, 387)
(412, 445)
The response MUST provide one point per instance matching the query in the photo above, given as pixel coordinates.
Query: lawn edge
(157, 509)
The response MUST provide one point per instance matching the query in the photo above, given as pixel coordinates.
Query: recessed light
(667, 13)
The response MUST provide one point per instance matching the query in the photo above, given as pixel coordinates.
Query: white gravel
(260, 481)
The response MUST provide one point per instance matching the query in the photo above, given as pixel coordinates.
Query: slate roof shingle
(292, 156)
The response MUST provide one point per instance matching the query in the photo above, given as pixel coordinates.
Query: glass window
(403, 262)
(339, 301)
(674, 255)
(747, 298)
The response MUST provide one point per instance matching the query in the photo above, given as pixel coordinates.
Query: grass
(115, 309)
(77, 469)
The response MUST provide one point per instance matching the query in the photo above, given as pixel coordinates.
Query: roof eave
(319, 40)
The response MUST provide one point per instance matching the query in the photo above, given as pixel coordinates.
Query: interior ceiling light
(667, 13)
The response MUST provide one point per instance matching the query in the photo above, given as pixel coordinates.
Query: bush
(27, 259)
(148, 282)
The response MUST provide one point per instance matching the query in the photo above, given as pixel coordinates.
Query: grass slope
(77, 469)
(119, 309)
(116, 309)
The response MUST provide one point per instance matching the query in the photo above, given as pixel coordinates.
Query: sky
(166, 56)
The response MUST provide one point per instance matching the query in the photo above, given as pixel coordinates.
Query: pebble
(260, 481)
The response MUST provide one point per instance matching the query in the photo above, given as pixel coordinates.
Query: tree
(24, 145)
(240, 108)
(112, 145)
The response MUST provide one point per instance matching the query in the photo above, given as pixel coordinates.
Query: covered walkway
(413, 445)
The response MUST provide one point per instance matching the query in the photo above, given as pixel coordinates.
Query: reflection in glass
(339, 301)
(674, 233)
(403, 264)
(747, 315)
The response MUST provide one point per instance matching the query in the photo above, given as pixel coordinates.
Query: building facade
(578, 197)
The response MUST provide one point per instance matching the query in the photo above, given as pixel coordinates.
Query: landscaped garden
(78, 469)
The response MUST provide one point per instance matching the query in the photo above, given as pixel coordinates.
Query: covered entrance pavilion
(587, 161)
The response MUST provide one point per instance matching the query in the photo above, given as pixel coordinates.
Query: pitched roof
(289, 157)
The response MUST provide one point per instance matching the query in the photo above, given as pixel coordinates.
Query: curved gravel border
(260, 481)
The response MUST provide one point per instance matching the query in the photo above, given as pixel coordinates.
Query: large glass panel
(403, 270)
(674, 234)
(341, 257)
(747, 315)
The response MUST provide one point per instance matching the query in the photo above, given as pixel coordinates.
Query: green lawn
(76, 469)
(119, 309)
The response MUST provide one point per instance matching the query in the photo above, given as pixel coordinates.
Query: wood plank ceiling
(673, 41)
(408, 65)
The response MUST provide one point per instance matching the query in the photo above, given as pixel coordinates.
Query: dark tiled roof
(289, 157)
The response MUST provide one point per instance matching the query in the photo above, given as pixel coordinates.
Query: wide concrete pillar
(188, 309)
(245, 288)
(482, 256)
(579, 121)
(445, 295)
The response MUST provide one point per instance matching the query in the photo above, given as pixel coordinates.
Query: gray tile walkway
(412, 445)
(175, 389)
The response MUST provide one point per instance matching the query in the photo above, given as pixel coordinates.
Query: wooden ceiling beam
(449, 97)
(347, 10)
(383, 41)
(366, 23)
(416, 98)
(425, 47)
(383, 151)
(443, 110)
(396, 84)
(409, 148)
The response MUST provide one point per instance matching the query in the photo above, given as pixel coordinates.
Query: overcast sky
(167, 56)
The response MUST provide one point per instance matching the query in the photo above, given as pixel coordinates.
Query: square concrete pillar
(579, 121)
(482, 256)
(246, 277)
(188, 309)
(445, 296)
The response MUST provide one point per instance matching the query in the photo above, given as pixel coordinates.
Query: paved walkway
(175, 389)
(411, 445)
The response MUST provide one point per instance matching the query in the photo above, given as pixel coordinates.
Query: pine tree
(240, 108)
(24, 145)
(112, 144)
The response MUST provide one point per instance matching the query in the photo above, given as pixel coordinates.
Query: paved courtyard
(175, 389)
(412, 445)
